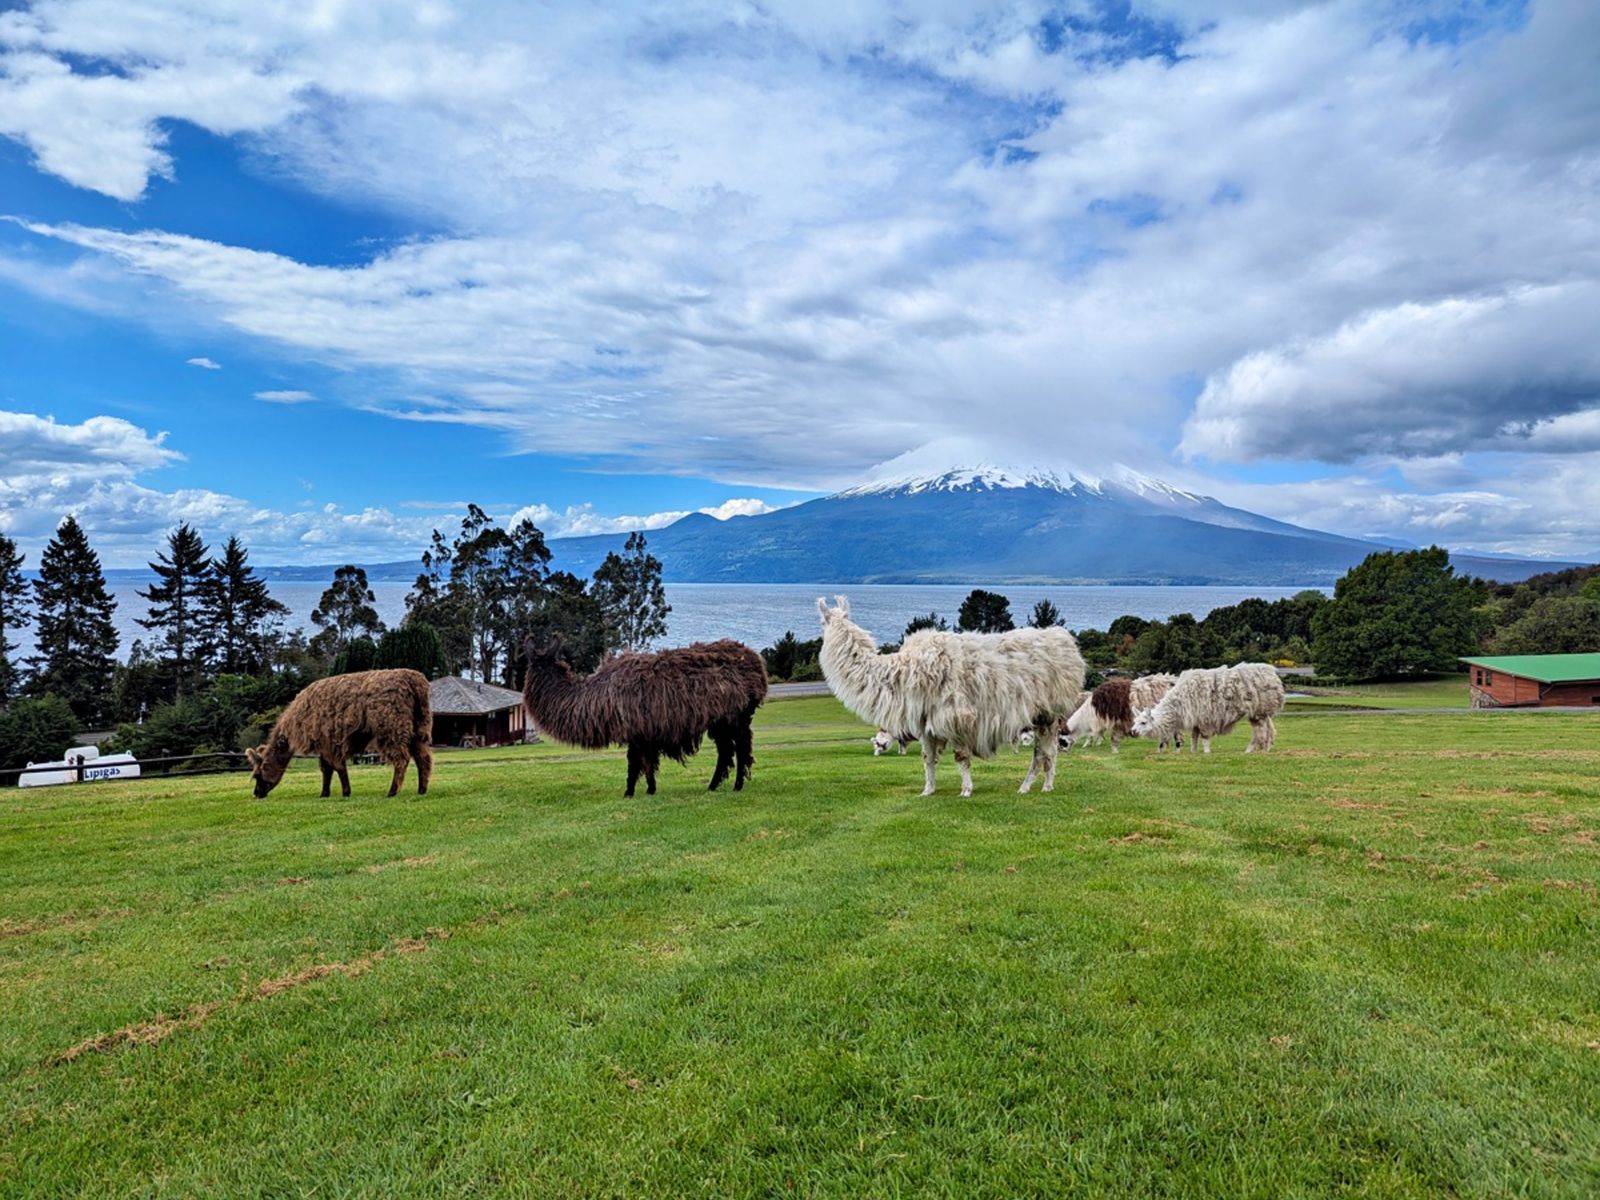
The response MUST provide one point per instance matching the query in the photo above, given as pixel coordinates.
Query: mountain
(994, 525)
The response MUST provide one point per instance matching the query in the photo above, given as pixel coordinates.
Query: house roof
(452, 696)
(1546, 668)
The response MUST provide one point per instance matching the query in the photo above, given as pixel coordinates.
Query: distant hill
(988, 525)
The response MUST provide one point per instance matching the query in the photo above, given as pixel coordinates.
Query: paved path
(789, 691)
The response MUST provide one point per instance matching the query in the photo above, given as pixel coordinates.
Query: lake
(760, 613)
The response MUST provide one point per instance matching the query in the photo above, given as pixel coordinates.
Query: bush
(36, 729)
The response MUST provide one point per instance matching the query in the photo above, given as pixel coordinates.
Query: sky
(320, 274)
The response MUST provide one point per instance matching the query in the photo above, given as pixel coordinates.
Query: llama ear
(252, 756)
(844, 605)
(823, 610)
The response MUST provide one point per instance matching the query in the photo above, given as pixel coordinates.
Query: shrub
(36, 729)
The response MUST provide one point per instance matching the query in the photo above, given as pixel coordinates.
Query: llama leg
(1205, 744)
(652, 762)
(635, 767)
(930, 759)
(400, 766)
(1255, 737)
(964, 765)
(723, 737)
(344, 777)
(1051, 753)
(1044, 743)
(744, 750)
(1272, 734)
(1116, 741)
(327, 776)
(423, 753)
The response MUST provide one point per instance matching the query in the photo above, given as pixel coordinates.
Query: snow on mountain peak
(993, 477)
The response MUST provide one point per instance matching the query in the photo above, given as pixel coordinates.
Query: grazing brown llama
(655, 704)
(335, 718)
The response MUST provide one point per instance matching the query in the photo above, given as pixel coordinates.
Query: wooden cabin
(1535, 681)
(469, 713)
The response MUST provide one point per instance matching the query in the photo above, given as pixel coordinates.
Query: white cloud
(285, 397)
(779, 244)
(582, 520)
(35, 449)
(1521, 367)
(206, 363)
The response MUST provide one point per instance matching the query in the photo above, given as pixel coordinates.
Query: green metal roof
(1546, 668)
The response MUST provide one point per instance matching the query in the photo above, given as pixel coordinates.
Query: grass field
(1364, 965)
(1439, 691)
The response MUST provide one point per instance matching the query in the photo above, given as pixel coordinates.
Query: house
(1535, 680)
(469, 713)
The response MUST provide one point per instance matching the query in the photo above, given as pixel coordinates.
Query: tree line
(1395, 614)
(218, 662)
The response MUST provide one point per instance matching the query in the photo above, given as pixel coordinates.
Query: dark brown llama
(657, 705)
(1113, 706)
(384, 711)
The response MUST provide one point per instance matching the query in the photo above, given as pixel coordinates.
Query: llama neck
(551, 692)
(860, 676)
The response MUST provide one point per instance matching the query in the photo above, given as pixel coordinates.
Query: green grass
(1437, 691)
(1363, 965)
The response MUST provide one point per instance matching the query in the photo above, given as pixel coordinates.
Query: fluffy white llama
(1209, 702)
(970, 691)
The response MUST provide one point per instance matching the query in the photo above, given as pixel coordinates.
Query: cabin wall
(1497, 689)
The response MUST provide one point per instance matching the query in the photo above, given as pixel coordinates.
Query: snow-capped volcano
(995, 524)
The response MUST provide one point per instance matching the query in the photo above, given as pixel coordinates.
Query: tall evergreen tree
(629, 589)
(73, 631)
(345, 611)
(1045, 615)
(984, 612)
(238, 612)
(176, 613)
(13, 614)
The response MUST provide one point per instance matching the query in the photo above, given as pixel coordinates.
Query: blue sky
(322, 276)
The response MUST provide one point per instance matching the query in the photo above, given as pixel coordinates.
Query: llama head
(268, 762)
(881, 741)
(841, 611)
(1144, 722)
(546, 657)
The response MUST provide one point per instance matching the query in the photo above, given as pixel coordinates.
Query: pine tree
(238, 611)
(345, 611)
(73, 631)
(932, 621)
(984, 612)
(13, 614)
(629, 589)
(1045, 615)
(176, 608)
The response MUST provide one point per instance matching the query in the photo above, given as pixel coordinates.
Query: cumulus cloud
(35, 449)
(93, 470)
(582, 520)
(206, 363)
(779, 244)
(1522, 367)
(292, 396)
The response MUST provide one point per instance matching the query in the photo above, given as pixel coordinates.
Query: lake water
(760, 613)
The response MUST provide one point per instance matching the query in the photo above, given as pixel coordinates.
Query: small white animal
(883, 739)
